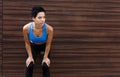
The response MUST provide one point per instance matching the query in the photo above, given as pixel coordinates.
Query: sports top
(38, 39)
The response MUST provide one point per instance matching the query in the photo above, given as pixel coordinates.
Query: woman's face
(40, 18)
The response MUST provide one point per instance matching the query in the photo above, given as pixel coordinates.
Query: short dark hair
(36, 10)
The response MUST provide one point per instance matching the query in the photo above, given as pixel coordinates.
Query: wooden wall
(86, 37)
(0, 38)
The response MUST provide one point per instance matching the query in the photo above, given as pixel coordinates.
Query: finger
(48, 62)
(32, 61)
(27, 63)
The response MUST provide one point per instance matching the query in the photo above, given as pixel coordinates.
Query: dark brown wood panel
(86, 39)
(1, 49)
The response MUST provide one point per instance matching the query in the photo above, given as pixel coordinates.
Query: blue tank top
(38, 39)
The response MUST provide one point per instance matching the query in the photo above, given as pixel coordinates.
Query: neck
(38, 26)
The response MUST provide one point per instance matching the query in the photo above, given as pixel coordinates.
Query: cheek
(37, 20)
(43, 19)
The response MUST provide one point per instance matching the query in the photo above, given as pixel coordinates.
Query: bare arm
(48, 44)
(27, 44)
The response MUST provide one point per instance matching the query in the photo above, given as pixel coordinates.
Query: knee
(45, 67)
(30, 66)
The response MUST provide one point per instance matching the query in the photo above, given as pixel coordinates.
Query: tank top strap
(31, 26)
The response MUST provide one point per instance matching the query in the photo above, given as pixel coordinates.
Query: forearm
(28, 49)
(47, 50)
(49, 41)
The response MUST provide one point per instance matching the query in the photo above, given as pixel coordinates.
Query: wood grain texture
(86, 38)
(1, 49)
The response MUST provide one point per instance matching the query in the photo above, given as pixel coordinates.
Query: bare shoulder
(49, 28)
(26, 27)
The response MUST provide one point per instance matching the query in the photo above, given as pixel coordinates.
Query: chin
(42, 23)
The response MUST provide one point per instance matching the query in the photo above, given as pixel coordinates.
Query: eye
(39, 17)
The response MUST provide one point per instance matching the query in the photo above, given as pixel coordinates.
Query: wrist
(30, 57)
(45, 57)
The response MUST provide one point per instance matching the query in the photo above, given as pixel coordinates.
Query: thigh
(34, 52)
(42, 51)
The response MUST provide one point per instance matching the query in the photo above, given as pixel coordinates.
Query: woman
(38, 37)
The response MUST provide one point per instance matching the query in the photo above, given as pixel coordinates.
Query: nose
(42, 19)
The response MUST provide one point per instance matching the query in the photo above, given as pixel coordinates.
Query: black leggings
(37, 49)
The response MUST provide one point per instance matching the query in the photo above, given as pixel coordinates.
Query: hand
(47, 61)
(29, 60)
